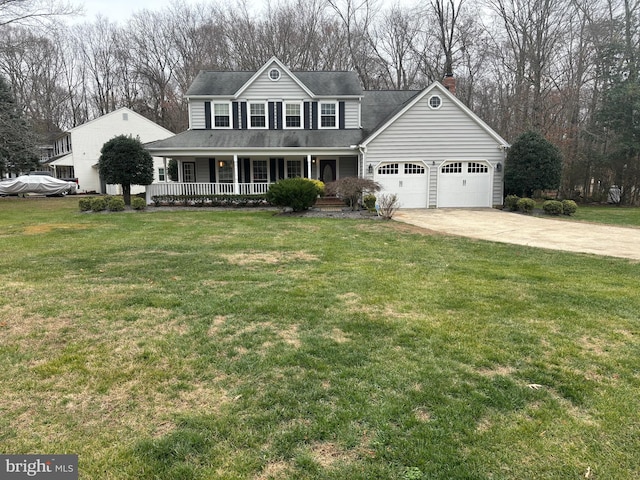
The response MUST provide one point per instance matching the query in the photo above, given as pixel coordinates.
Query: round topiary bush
(569, 207)
(526, 205)
(85, 204)
(115, 204)
(552, 207)
(138, 203)
(511, 202)
(98, 204)
(295, 193)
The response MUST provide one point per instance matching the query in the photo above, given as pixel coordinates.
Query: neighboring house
(76, 153)
(250, 129)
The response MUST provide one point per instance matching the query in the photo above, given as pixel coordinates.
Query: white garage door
(464, 184)
(407, 180)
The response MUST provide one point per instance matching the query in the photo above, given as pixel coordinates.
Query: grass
(609, 214)
(242, 345)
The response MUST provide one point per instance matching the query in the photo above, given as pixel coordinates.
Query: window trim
(265, 105)
(253, 170)
(300, 104)
(335, 115)
(184, 172)
(162, 174)
(213, 114)
(275, 70)
(432, 97)
(299, 164)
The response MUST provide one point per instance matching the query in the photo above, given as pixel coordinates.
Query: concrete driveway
(506, 227)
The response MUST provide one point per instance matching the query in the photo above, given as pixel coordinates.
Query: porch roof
(216, 140)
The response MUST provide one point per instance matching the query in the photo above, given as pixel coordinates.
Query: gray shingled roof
(320, 83)
(223, 139)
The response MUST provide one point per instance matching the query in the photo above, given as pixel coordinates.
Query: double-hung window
(257, 115)
(328, 112)
(293, 115)
(221, 115)
(260, 173)
(294, 168)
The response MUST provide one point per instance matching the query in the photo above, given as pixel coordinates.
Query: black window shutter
(314, 115)
(272, 167)
(341, 115)
(279, 115)
(243, 115)
(207, 115)
(272, 116)
(305, 167)
(212, 170)
(247, 168)
(280, 168)
(236, 114)
(307, 113)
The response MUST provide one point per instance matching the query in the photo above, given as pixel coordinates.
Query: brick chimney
(449, 82)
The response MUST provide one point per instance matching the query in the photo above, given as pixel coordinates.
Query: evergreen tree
(533, 163)
(17, 141)
(125, 161)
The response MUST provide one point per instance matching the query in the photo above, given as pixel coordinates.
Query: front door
(327, 171)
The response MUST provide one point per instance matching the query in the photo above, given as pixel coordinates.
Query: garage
(408, 180)
(464, 184)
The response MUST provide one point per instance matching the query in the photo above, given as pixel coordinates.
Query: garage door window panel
(389, 169)
(413, 169)
(455, 167)
(474, 167)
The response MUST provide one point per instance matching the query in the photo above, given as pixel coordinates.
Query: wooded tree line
(565, 68)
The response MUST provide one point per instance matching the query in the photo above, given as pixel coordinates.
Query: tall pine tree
(17, 141)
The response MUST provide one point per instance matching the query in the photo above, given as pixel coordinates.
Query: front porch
(234, 175)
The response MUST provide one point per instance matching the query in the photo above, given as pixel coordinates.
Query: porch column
(236, 183)
(309, 165)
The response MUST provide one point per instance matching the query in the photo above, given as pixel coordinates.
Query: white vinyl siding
(264, 87)
(197, 115)
(434, 136)
(351, 114)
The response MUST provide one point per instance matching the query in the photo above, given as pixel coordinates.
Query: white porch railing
(196, 189)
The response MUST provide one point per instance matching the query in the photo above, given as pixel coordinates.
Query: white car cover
(42, 184)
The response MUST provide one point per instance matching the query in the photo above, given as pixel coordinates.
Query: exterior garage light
(370, 168)
(499, 167)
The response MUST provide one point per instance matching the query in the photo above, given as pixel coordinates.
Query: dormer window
(258, 115)
(328, 115)
(274, 74)
(221, 115)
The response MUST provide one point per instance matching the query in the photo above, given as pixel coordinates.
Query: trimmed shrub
(526, 205)
(138, 203)
(511, 202)
(569, 207)
(229, 200)
(552, 207)
(319, 186)
(115, 204)
(295, 193)
(85, 204)
(98, 204)
(369, 202)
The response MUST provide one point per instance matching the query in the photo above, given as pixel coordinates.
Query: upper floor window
(435, 102)
(221, 115)
(258, 115)
(293, 115)
(328, 115)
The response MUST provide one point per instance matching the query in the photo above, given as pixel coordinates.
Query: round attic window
(435, 102)
(274, 74)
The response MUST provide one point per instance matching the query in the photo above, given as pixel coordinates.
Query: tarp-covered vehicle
(42, 184)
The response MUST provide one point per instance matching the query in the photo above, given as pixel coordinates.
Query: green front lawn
(609, 214)
(242, 345)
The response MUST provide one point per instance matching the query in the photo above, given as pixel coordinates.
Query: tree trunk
(126, 194)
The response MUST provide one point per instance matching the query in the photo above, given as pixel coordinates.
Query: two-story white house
(76, 152)
(250, 129)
